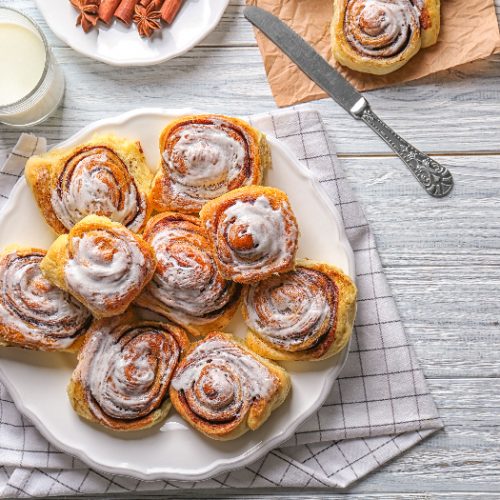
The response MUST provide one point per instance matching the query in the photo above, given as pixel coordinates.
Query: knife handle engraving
(434, 177)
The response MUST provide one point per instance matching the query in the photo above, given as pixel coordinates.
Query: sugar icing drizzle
(381, 28)
(220, 380)
(206, 160)
(186, 279)
(252, 234)
(292, 311)
(104, 266)
(127, 369)
(44, 316)
(96, 181)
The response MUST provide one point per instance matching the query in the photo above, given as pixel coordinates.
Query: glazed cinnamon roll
(253, 233)
(305, 314)
(124, 371)
(223, 389)
(380, 36)
(187, 286)
(34, 314)
(106, 176)
(101, 263)
(205, 156)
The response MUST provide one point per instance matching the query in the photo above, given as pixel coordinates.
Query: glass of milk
(31, 82)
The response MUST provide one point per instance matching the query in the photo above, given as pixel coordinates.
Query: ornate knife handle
(435, 179)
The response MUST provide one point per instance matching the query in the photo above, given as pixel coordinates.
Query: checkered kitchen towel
(379, 407)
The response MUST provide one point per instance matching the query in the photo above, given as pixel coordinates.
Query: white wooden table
(442, 257)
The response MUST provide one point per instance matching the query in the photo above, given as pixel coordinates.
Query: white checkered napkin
(13, 167)
(378, 408)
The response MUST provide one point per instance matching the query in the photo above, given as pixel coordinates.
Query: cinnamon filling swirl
(106, 266)
(295, 311)
(205, 158)
(218, 383)
(186, 279)
(126, 370)
(253, 237)
(33, 312)
(381, 28)
(95, 180)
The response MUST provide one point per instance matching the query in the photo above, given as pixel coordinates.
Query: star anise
(147, 18)
(88, 13)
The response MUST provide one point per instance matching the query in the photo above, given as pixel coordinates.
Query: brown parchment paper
(469, 31)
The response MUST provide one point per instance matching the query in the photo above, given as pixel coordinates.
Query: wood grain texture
(455, 111)
(442, 257)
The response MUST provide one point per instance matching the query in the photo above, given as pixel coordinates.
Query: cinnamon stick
(125, 10)
(170, 9)
(107, 9)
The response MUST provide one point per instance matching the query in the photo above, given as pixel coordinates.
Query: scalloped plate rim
(223, 464)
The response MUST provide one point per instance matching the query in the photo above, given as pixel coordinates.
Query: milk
(31, 82)
(22, 61)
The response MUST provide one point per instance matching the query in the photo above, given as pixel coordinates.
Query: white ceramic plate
(121, 45)
(37, 381)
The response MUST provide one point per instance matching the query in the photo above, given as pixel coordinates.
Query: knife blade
(434, 177)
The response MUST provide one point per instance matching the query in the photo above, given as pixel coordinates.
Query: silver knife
(434, 177)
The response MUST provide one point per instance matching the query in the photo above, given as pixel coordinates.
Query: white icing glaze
(94, 189)
(388, 25)
(187, 280)
(100, 275)
(127, 377)
(44, 315)
(290, 310)
(266, 227)
(254, 379)
(204, 162)
(419, 4)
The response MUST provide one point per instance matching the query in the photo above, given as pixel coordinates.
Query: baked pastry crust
(223, 389)
(107, 176)
(112, 384)
(187, 286)
(205, 156)
(101, 263)
(381, 36)
(33, 313)
(253, 233)
(304, 315)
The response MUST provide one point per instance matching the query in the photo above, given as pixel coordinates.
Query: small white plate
(121, 45)
(173, 450)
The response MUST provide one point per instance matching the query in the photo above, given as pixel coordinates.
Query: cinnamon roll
(124, 371)
(101, 263)
(106, 176)
(305, 314)
(223, 389)
(380, 36)
(205, 156)
(34, 314)
(187, 287)
(253, 233)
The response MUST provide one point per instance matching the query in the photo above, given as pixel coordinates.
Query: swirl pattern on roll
(218, 383)
(107, 267)
(254, 233)
(381, 29)
(206, 156)
(124, 372)
(295, 311)
(33, 313)
(187, 286)
(95, 180)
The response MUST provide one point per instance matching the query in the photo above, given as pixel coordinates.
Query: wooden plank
(225, 74)
(441, 257)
